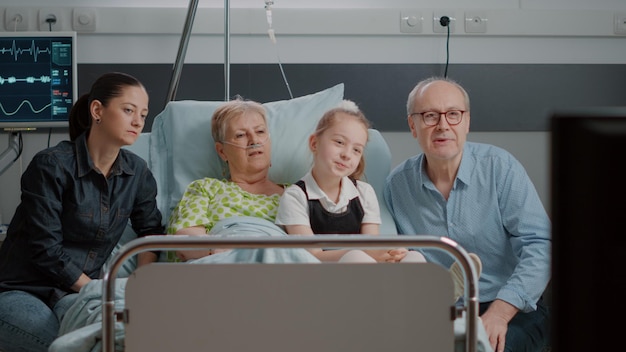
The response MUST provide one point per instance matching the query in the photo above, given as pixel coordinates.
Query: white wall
(338, 31)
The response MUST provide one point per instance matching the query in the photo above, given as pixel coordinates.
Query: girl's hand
(387, 255)
(397, 254)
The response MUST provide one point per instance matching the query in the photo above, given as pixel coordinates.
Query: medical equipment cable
(51, 19)
(445, 74)
(20, 147)
(249, 146)
(272, 35)
(445, 21)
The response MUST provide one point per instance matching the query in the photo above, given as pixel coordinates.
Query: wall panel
(505, 97)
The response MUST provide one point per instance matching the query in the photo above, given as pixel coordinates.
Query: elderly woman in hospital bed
(181, 149)
(242, 141)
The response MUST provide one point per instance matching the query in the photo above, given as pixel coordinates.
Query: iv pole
(184, 42)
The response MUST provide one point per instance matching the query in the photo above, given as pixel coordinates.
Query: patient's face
(246, 146)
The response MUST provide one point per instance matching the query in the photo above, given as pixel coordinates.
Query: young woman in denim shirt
(77, 198)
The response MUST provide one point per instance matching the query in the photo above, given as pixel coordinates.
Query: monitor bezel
(587, 215)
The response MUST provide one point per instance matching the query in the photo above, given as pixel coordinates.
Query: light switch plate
(411, 21)
(84, 20)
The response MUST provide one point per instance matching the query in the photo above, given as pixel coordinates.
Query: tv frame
(588, 147)
(45, 123)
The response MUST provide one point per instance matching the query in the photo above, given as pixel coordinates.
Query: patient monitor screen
(38, 80)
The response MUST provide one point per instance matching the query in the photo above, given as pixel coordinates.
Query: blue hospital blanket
(252, 226)
(81, 326)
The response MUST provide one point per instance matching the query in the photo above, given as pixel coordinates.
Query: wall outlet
(620, 23)
(438, 27)
(16, 19)
(50, 13)
(475, 22)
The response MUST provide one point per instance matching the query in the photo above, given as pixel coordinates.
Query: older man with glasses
(481, 197)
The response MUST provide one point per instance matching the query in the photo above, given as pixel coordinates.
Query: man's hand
(496, 320)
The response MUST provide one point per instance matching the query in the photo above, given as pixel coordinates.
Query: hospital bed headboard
(181, 148)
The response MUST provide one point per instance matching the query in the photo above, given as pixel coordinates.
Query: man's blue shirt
(493, 210)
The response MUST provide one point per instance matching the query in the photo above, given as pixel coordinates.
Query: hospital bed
(280, 307)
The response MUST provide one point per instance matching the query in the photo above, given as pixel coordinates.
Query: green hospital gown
(208, 200)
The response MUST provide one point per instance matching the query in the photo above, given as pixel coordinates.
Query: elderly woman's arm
(193, 254)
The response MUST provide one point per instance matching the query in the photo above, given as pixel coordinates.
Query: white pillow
(182, 148)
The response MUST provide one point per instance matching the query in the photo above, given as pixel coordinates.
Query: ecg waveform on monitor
(24, 102)
(37, 79)
(12, 80)
(32, 50)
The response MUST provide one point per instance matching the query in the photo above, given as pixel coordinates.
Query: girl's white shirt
(293, 208)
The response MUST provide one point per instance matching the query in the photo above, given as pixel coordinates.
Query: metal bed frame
(180, 242)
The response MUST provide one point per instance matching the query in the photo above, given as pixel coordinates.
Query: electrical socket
(16, 19)
(475, 22)
(437, 27)
(620, 23)
(50, 12)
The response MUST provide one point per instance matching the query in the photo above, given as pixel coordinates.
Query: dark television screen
(38, 82)
(589, 235)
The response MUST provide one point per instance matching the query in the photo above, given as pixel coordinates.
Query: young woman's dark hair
(105, 88)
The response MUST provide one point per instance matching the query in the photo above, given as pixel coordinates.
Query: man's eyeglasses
(431, 118)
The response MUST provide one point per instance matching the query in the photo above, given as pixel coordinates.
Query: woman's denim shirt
(71, 217)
